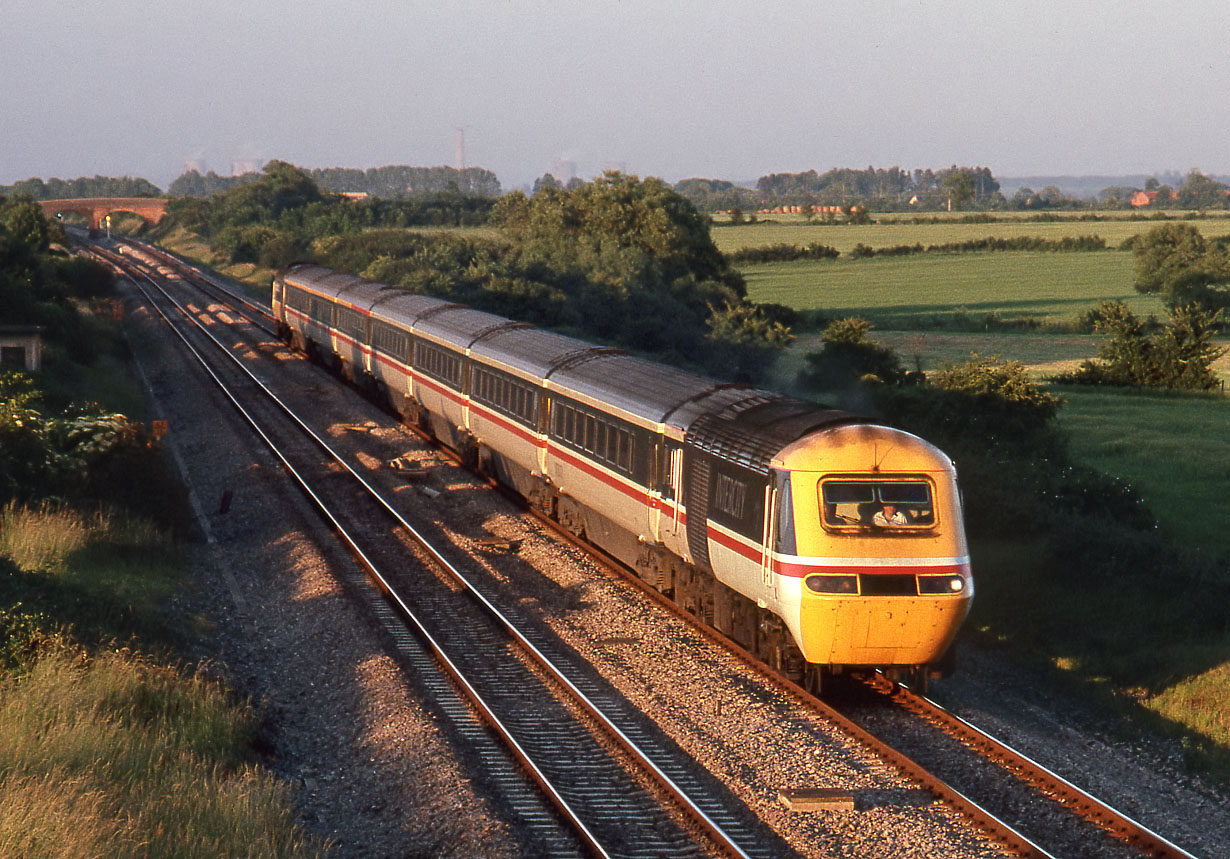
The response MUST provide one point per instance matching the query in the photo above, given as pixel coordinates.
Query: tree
(23, 220)
(849, 356)
(1179, 355)
(1200, 192)
(638, 267)
(960, 188)
(1175, 260)
(546, 182)
(748, 341)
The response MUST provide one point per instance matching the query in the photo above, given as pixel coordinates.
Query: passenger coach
(815, 539)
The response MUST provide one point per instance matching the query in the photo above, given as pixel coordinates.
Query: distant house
(1147, 198)
(21, 347)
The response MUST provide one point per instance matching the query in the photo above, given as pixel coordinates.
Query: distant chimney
(459, 149)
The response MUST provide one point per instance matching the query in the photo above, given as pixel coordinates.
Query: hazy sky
(709, 88)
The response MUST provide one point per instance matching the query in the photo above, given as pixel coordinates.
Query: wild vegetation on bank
(109, 744)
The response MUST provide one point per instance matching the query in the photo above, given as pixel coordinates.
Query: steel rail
(451, 668)
(714, 831)
(188, 270)
(999, 829)
(1117, 824)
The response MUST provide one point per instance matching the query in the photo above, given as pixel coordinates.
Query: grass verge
(108, 750)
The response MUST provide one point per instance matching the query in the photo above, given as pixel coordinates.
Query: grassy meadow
(895, 230)
(937, 290)
(1175, 448)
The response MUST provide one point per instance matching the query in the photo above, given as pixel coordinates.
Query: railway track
(1115, 825)
(1030, 809)
(597, 777)
(1062, 819)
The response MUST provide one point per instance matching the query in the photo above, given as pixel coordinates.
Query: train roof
(320, 279)
(460, 326)
(532, 351)
(753, 426)
(363, 294)
(639, 387)
(405, 308)
(735, 422)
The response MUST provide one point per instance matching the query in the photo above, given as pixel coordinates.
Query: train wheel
(915, 678)
(814, 679)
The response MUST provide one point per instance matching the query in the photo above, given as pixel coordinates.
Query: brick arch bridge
(150, 209)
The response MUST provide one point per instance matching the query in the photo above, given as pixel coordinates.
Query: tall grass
(104, 750)
(114, 756)
(41, 540)
(106, 574)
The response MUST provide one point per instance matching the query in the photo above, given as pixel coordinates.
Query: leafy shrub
(847, 357)
(1136, 353)
(782, 252)
(986, 408)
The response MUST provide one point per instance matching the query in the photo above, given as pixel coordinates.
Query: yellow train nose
(841, 630)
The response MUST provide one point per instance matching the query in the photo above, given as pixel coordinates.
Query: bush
(1178, 355)
(985, 408)
(848, 357)
(783, 253)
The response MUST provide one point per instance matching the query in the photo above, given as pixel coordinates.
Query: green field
(794, 230)
(927, 290)
(1174, 448)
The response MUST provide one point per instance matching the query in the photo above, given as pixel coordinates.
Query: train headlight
(833, 584)
(940, 584)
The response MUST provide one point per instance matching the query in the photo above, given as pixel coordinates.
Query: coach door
(778, 533)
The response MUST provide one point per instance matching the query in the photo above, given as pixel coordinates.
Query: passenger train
(819, 541)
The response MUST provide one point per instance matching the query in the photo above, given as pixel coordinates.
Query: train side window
(786, 543)
(438, 363)
(391, 341)
(298, 299)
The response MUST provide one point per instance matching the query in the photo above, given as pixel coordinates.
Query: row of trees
(73, 189)
(1197, 191)
(273, 217)
(620, 260)
(885, 190)
(395, 182)
(958, 188)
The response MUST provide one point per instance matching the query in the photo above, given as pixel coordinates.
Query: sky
(669, 88)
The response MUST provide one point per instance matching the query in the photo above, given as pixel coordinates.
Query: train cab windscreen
(861, 504)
